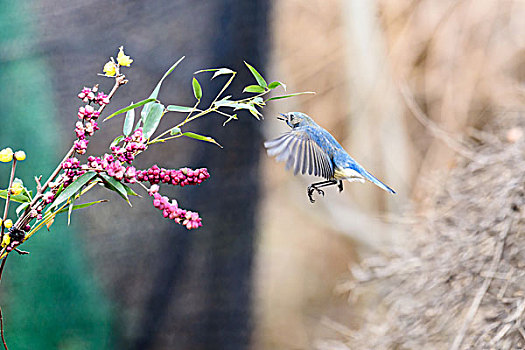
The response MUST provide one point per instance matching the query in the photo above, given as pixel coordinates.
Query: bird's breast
(347, 174)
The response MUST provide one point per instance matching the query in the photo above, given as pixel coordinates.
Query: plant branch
(24, 219)
(224, 88)
(6, 208)
(1, 316)
(11, 178)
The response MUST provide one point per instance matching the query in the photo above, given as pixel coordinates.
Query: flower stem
(6, 208)
(1, 316)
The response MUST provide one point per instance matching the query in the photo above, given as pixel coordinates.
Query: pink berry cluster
(114, 164)
(133, 144)
(72, 171)
(113, 167)
(181, 177)
(171, 210)
(88, 116)
(87, 95)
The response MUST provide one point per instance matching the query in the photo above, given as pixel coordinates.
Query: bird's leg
(316, 187)
(340, 185)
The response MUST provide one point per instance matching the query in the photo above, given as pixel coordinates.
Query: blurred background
(398, 83)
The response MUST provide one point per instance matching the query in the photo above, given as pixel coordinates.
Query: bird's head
(296, 119)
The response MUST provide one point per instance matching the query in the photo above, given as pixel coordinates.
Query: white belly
(348, 174)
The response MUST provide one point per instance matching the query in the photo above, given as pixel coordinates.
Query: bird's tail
(375, 181)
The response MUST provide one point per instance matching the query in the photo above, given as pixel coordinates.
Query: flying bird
(308, 148)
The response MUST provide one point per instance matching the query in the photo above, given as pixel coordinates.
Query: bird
(308, 148)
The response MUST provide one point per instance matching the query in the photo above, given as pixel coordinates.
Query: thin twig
(498, 252)
(522, 332)
(1, 317)
(6, 208)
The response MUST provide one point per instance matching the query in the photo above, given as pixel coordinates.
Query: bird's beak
(284, 115)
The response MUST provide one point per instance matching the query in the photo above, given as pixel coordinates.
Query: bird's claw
(310, 192)
(340, 186)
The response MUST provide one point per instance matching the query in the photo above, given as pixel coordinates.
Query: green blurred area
(49, 298)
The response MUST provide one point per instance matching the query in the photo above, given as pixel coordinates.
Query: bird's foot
(311, 190)
(340, 186)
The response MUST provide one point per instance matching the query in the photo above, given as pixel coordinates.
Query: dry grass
(460, 283)
(458, 66)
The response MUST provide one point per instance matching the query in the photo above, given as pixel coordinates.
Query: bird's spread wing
(301, 152)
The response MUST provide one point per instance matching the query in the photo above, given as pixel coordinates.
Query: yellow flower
(6, 155)
(8, 223)
(20, 155)
(110, 68)
(122, 59)
(16, 188)
(6, 240)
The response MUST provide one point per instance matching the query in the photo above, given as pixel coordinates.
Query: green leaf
(258, 77)
(27, 193)
(290, 95)
(275, 84)
(182, 109)
(258, 101)
(116, 140)
(21, 207)
(238, 105)
(207, 70)
(254, 89)
(144, 112)
(129, 122)
(74, 188)
(153, 119)
(224, 102)
(82, 206)
(201, 137)
(218, 71)
(130, 107)
(255, 113)
(115, 185)
(155, 92)
(175, 131)
(58, 192)
(70, 209)
(250, 107)
(20, 198)
(130, 191)
(197, 90)
(222, 71)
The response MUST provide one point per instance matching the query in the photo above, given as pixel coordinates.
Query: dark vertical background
(50, 298)
(228, 204)
(170, 288)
